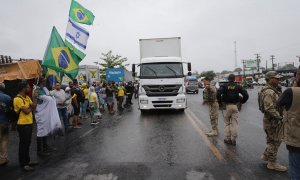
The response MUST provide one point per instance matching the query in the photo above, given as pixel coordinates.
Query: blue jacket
(4, 103)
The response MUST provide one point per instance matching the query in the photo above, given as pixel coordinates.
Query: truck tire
(197, 91)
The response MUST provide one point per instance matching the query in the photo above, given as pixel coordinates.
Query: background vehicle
(192, 84)
(161, 74)
(261, 81)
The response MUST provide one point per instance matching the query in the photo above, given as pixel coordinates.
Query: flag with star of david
(76, 38)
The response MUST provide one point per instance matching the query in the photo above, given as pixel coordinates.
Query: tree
(108, 60)
(209, 74)
(225, 72)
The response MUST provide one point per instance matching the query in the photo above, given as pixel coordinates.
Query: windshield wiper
(172, 71)
(154, 72)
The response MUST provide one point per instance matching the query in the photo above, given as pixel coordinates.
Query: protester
(103, 96)
(129, 91)
(47, 118)
(291, 119)
(136, 90)
(84, 105)
(4, 123)
(24, 107)
(68, 103)
(93, 105)
(110, 97)
(121, 94)
(61, 98)
(75, 92)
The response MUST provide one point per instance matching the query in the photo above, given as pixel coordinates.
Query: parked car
(261, 81)
(192, 86)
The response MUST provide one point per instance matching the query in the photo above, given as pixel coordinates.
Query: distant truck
(161, 74)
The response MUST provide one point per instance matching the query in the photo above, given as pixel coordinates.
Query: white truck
(161, 74)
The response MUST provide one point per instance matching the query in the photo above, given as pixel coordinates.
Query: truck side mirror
(133, 70)
(189, 73)
(189, 66)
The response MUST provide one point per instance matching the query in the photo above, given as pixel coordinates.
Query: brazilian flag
(80, 14)
(59, 58)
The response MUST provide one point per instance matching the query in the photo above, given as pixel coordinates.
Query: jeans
(83, 107)
(3, 143)
(294, 164)
(63, 114)
(25, 133)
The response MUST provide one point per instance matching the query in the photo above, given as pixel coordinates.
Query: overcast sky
(208, 28)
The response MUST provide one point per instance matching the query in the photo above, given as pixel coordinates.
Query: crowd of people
(281, 120)
(48, 107)
(55, 111)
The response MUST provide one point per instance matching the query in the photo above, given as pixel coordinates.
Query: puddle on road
(196, 175)
(101, 177)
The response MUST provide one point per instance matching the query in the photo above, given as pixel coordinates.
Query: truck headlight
(144, 101)
(180, 100)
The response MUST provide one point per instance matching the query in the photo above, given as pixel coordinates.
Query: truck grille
(161, 90)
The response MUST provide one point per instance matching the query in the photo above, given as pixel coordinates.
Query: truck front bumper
(167, 102)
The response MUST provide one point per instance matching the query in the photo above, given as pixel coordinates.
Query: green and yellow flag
(80, 14)
(59, 58)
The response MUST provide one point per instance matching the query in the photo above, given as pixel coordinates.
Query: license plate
(162, 99)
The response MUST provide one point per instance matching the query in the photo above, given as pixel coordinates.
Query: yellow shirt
(121, 91)
(93, 96)
(86, 93)
(18, 104)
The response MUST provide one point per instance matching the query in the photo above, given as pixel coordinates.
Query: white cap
(68, 89)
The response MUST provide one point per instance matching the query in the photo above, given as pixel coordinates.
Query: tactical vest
(210, 96)
(292, 121)
(231, 93)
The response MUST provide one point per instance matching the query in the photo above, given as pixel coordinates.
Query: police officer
(210, 98)
(290, 101)
(229, 94)
(272, 120)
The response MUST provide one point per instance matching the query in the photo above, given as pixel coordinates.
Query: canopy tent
(20, 70)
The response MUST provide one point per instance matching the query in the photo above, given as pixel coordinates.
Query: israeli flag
(76, 38)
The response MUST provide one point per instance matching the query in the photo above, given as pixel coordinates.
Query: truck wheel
(197, 92)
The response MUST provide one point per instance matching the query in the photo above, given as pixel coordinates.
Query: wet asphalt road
(164, 145)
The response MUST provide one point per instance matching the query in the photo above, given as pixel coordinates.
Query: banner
(115, 74)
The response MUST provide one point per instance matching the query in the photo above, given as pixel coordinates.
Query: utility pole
(266, 65)
(235, 55)
(244, 66)
(258, 62)
(272, 59)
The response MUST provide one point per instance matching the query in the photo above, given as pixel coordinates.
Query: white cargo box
(160, 47)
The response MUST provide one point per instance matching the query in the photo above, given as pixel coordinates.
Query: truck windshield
(161, 70)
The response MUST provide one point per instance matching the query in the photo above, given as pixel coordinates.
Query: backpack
(260, 99)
